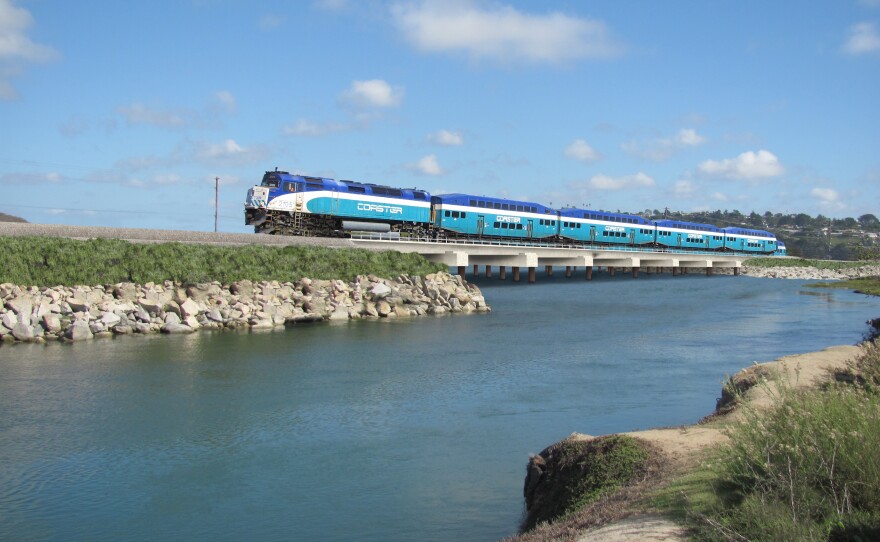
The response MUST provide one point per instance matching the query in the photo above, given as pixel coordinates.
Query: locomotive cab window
(271, 183)
(290, 187)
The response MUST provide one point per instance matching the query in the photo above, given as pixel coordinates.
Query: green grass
(579, 473)
(864, 285)
(49, 261)
(798, 262)
(807, 469)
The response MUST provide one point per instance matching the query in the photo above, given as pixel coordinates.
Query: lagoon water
(414, 429)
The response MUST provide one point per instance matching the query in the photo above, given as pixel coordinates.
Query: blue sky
(123, 113)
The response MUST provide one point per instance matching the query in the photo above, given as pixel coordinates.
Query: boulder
(176, 328)
(9, 319)
(110, 319)
(22, 306)
(380, 290)
(23, 331)
(52, 323)
(78, 304)
(189, 308)
(383, 308)
(79, 331)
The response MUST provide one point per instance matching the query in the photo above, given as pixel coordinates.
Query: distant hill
(9, 218)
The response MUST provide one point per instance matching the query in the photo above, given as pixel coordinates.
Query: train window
(289, 187)
(505, 207)
(481, 204)
(552, 222)
(473, 203)
(314, 186)
(463, 214)
(454, 214)
(579, 226)
(271, 183)
(497, 225)
(357, 189)
(519, 226)
(504, 225)
(496, 205)
(445, 213)
(534, 209)
(419, 195)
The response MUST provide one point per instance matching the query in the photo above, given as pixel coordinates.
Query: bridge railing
(366, 236)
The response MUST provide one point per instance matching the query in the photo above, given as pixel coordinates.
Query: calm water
(396, 430)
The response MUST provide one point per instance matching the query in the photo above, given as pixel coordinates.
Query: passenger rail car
(689, 235)
(467, 215)
(587, 226)
(299, 205)
(748, 240)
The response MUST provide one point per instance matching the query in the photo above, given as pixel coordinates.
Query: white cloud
(446, 138)
(373, 93)
(748, 165)
(499, 32)
(684, 188)
(428, 165)
(688, 137)
(825, 195)
(138, 113)
(331, 5)
(31, 178)
(604, 182)
(580, 150)
(305, 128)
(270, 21)
(222, 102)
(863, 38)
(225, 101)
(16, 47)
(660, 149)
(225, 153)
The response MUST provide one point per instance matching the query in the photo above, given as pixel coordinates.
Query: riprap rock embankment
(805, 273)
(82, 312)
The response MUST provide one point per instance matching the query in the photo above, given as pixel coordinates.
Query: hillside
(10, 218)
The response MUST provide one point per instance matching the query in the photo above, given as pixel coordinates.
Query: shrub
(807, 469)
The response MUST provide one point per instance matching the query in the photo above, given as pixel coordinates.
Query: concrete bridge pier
(531, 275)
(635, 272)
(488, 271)
(589, 272)
(461, 269)
(736, 271)
(516, 271)
(568, 271)
(548, 269)
(476, 270)
(502, 273)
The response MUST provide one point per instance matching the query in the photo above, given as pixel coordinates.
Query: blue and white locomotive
(300, 205)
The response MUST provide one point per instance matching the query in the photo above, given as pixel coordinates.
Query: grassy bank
(866, 285)
(49, 261)
(805, 469)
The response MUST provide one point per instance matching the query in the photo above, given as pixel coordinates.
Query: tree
(802, 220)
(869, 221)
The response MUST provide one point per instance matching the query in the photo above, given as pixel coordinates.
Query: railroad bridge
(462, 254)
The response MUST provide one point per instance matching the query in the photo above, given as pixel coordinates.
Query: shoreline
(76, 313)
(683, 447)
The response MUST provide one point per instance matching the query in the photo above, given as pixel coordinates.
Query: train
(289, 204)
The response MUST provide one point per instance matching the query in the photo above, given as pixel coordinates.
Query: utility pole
(216, 200)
